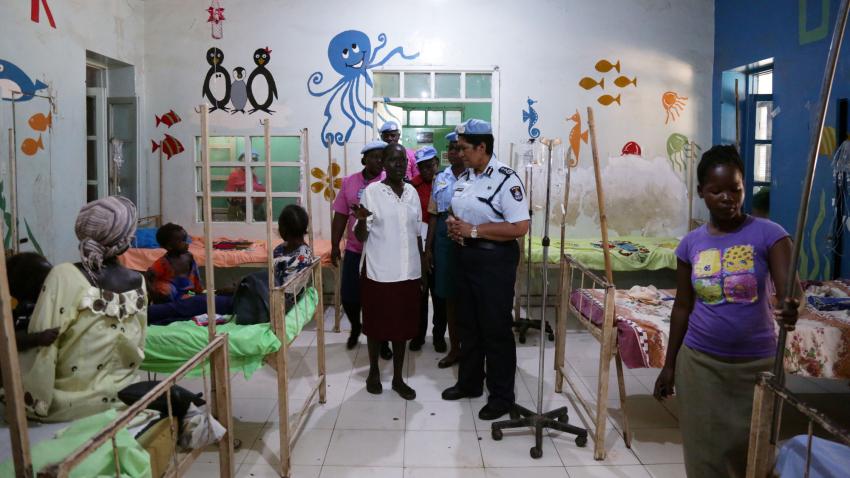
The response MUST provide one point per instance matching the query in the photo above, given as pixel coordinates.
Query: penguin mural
(261, 58)
(214, 58)
(238, 92)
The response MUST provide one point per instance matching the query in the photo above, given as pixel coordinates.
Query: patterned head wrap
(105, 228)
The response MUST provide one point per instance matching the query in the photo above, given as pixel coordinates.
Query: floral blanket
(642, 329)
(818, 347)
(820, 344)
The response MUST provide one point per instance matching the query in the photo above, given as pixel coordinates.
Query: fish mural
(607, 100)
(589, 83)
(631, 148)
(14, 80)
(31, 146)
(531, 118)
(576, 135)
(169, 146)
(604, 66)
(351, 55)
(624, 81)
(168, 119)
(41, 123)
(673, 104)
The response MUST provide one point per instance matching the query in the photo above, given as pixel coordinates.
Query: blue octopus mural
(351, 55)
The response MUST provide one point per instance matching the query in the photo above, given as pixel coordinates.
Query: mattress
(829, 459)
(167, 347)
(627, 253)
(52, 442)
(255, 255)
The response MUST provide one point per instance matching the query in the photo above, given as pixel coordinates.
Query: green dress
(99, 349)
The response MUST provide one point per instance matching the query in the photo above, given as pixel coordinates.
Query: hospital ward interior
(425, 239)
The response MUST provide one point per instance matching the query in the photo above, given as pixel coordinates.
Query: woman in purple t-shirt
(722, 331)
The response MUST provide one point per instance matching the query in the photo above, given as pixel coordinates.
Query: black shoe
(455, 393)
(448, 361)
(416, 344)
(403, 390)
(353, 340)
(374, 386)
(491, 413)
(386, 352)
(440, 345)
(354, 336)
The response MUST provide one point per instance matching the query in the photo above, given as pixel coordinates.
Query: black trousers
(485, 324)
(439, 319)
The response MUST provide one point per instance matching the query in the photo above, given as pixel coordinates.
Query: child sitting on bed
(294, 254)
(174, 283)
(26, 273)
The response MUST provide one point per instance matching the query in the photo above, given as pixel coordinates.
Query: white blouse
(390, 252)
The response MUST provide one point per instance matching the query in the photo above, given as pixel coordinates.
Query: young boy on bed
(174, 283)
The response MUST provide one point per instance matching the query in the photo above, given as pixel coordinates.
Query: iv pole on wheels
(557, 419)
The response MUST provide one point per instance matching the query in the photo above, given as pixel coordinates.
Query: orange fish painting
(624, 81)
(604, 66)
(576, 136)
(31, 146)
(588, 83)
(39, 122)
(606, 100)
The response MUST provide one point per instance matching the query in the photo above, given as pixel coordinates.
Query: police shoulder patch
(516, 192)
(506, 170)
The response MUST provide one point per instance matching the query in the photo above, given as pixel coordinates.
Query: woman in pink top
(348, 197)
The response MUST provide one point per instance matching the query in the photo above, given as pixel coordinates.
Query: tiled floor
(356, 434)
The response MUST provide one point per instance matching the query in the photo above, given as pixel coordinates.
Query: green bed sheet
(628, 253)
(168, 347)
(134, 460)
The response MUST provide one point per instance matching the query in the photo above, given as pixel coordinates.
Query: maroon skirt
(390, 309)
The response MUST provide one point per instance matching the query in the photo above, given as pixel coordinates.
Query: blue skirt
(445, 261)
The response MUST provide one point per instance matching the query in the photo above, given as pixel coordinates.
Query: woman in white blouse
(388, 220)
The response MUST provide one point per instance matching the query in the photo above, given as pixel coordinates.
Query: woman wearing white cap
(489, 214)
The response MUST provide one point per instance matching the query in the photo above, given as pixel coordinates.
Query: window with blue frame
(757, 142)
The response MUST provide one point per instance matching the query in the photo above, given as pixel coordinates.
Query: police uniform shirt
(495, 195)
(443, 190)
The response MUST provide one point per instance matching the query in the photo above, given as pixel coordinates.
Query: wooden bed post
(563, 289)
(269, 207)
(608, 333)
(278, 316)
(13, 189)
(690, 184)
(15, 414)
(219, 360)
(319, 316)
(336, 269)
(305, 141)
(761, 451)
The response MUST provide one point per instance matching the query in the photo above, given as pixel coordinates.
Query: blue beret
(375, 144)
(426, 153)
(474, 126)
(389, 126)
(451, 137)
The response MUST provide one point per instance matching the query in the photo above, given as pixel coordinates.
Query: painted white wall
(51, 184)
(542, 49)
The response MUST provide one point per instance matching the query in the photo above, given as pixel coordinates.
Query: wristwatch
(474, 233)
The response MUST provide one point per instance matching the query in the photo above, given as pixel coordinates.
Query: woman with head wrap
(100, 309)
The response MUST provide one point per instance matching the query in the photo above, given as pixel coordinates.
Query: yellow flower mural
(327, 183)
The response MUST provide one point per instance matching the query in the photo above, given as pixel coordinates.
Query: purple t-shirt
(349, 195)
(731, 316)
